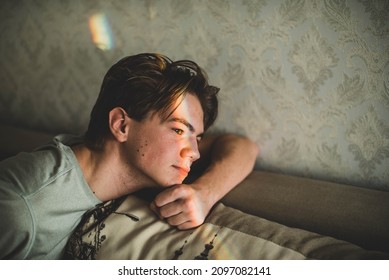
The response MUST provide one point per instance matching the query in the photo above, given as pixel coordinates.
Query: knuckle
(189, 207)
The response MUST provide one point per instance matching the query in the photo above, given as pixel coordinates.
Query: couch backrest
(354, 214)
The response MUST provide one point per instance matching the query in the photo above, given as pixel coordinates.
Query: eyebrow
(187, 124)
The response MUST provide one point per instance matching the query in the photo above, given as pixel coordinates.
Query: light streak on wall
(101, 31)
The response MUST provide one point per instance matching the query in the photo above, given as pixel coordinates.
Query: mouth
(182, 170)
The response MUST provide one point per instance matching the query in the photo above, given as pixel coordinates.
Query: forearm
(232, 158)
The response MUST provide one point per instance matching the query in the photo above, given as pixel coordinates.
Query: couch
(267, 216)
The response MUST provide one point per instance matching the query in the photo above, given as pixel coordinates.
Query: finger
(185, 221)
(171, 209)
(171, 194)
(177, 220)
(185, 226)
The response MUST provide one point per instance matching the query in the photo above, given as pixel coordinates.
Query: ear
(119, 124)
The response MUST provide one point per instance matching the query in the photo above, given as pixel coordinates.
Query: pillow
(133, 231)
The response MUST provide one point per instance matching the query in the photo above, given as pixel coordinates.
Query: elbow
(252, 147)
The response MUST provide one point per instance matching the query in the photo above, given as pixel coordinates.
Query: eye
(178, 131)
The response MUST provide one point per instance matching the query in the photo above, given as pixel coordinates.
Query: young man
(145, 131)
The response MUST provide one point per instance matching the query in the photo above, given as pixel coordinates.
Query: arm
(227, 159)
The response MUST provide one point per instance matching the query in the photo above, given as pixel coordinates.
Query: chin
(168, 180)
(173, 182)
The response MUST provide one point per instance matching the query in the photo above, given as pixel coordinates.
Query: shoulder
(25, 173)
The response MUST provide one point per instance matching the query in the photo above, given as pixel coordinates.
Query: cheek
(143, 148)
(157, 150)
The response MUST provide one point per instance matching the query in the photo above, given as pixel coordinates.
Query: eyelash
(178, 131)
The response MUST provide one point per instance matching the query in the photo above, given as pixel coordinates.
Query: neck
(103, 172)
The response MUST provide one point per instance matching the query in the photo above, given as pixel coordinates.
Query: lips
(182, 170)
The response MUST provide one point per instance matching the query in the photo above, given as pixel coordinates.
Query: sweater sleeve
(16, 225)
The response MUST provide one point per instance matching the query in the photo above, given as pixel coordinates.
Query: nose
(191, 150)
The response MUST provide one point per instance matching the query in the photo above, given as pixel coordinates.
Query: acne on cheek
(140, 150)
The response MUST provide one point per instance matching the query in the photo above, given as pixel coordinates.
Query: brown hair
(148, 83)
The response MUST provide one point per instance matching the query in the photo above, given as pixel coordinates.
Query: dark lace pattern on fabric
(92, 223)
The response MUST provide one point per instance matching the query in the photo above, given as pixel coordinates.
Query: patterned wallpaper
(307, 80)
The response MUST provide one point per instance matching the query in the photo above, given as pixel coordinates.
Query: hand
(183, 206)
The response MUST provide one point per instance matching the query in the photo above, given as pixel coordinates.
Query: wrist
(207, 193)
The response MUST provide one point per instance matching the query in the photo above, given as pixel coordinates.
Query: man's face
(161, 152)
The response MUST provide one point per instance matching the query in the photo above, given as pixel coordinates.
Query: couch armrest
(354, 214)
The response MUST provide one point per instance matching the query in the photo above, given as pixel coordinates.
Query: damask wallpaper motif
(308, 80)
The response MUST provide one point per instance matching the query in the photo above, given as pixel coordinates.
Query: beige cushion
(232, 233)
